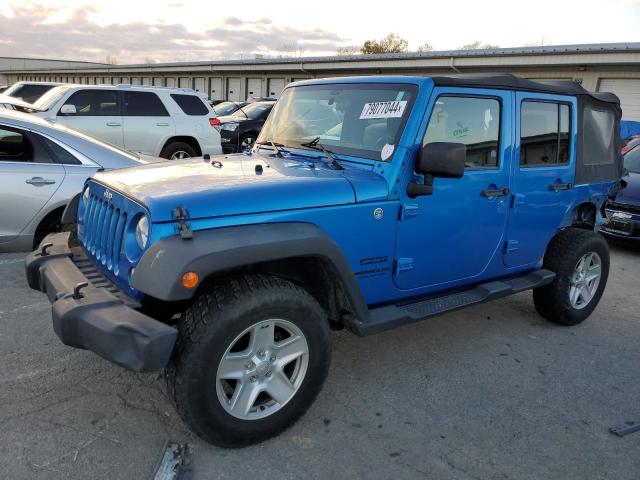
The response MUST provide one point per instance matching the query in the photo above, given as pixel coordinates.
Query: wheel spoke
(262, 336)
(279, 388)
(244, 397)
(233, 366)
(593, 273)
(586, 294)
(289, 349)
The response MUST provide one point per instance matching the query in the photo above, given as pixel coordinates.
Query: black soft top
(512, 82)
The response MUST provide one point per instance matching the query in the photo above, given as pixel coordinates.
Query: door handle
(162, 124)
(39, 181)
(556, 187)
(495, 192)
(113, 124)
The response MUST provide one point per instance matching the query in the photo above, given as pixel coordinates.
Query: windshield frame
(52, 97)
(344, 152)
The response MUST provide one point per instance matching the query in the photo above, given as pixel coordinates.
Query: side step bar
(392, 316)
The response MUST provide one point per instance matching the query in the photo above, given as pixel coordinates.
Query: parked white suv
(166, 122)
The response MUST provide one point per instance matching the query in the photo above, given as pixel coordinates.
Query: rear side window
(599, 136)
(15, 147)
(143, 104)
(544, 133)
(60, 154)
(473, 121)
(95, 103)
(190, 104)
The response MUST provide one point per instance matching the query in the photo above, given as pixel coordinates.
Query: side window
(60, 154)
(599, 140)
(473, 121)
(15, 147)
(190, 104)
(143, 104)
(544, 133)
(95, 103)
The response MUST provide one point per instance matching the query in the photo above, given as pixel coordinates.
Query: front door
(29, 179)
(543, 175)
(453, 234)
(97, 114)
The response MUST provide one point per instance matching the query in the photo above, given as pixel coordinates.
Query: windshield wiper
(276, 146)
(316, 145)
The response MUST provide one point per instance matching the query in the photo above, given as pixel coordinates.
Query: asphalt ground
(490, 392)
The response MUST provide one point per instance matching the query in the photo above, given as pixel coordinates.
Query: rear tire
(580, 260)
(246, 142)
(177, 151)
(220, 356)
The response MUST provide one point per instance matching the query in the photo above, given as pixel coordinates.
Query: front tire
(252, 355)
(580, 260)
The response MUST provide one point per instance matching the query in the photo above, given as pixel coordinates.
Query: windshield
(254, 111)
(49, 99)
(632, 160)
(28, 93)
(226, 108)
(364, 120)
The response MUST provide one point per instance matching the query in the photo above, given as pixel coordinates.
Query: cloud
(38, 31)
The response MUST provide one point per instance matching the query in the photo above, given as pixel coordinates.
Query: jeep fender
(160, 270)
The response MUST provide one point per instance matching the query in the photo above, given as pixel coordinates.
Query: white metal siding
(233, 89)
(216, 89)
(254, 87)
(276, 85)
(628, 90)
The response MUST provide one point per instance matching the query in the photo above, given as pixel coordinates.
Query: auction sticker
(392, 109)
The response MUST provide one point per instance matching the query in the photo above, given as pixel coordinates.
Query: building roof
(601, 48)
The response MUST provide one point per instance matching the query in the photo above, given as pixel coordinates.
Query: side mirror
(438, 159)
(68, 109)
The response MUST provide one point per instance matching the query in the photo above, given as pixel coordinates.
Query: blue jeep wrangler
(366, 203)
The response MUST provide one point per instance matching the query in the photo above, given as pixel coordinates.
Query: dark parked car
(223, 109)
(238, 132)
(624, 212)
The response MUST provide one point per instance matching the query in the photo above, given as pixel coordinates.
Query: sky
(142, 31)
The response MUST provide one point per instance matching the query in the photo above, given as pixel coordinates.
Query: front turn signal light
(190, 279)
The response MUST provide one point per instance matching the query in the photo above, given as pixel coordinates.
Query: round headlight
(85, 196)
(142, 232)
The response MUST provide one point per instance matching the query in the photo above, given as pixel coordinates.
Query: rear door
(29, 179)
(544, 174)
(98, 113)
(146, 122)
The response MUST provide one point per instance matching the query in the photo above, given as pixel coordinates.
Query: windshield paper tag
(393, 109)
(387, 151)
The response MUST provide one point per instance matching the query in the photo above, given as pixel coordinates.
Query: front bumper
(90, 313)
(622, 223)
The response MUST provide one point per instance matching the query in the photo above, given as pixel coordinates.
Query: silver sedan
(42, 166)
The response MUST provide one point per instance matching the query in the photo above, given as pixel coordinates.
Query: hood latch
(180, 214)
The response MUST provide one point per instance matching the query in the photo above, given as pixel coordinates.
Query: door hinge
(510, 246)
(517, 199)
(404, 265)
(409, 210)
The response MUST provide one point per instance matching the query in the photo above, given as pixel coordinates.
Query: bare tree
(425, 48)
(478, 45)
(291, 49)
(111, 60)
(149, 60)
(348, 50)
(392, 43)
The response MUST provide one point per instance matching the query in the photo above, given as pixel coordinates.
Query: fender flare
(159, 271)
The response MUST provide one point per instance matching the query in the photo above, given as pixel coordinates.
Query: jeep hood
(243, 184)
